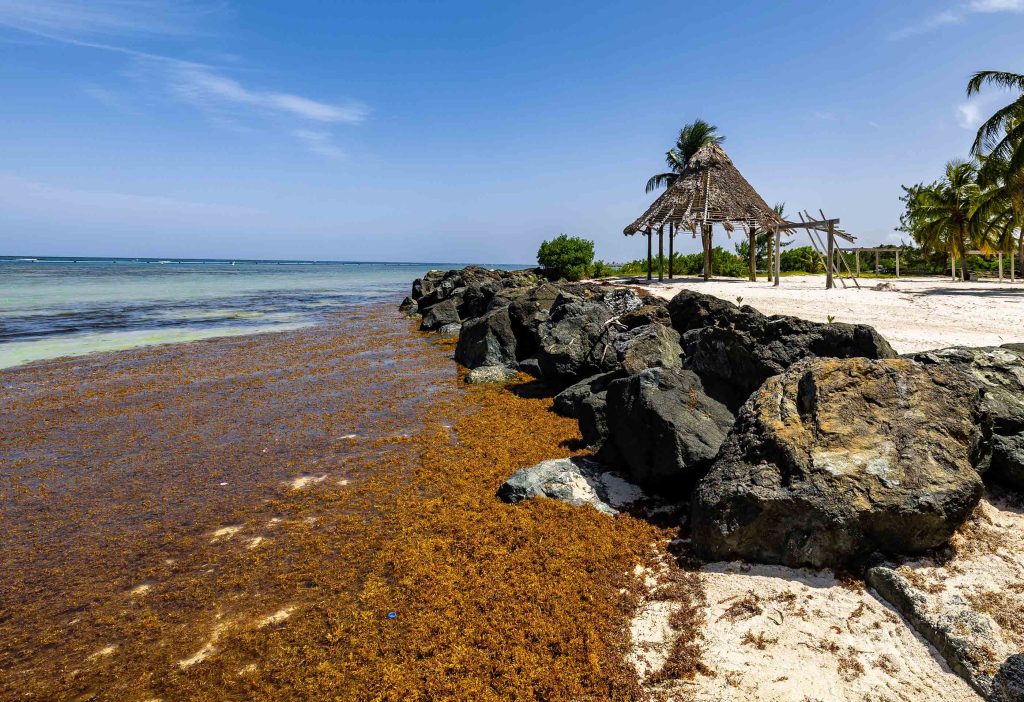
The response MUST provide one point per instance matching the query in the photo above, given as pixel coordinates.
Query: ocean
(54, 307)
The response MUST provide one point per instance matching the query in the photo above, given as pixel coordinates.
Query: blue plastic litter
(392, 615)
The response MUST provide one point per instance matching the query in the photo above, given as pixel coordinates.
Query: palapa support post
(1000, 266)
(830, 259)
(671, 247)
(705, 236)
(897, 263)
(753, 253)
(878, 264)
(661, 253)
(1013, 277)
(778, 267)
(856, 254)
(649, 265)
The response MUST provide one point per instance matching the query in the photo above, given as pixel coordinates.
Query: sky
(463, 130)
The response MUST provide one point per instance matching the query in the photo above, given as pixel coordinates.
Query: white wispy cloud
(203, 87)
(957, 15)
(971, 113)
(106, 25)
(319, 142)
(106, 17)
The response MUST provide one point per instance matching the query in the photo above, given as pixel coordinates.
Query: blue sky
(443, 131)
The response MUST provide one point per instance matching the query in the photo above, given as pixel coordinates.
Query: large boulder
(476, 298)
(693, 310)
(648, 346)
(835, 459)
(577, 481)
(664, 427)
(1001, 371)
(426, 284)
(576, 341)
(735, 359)
(440, 314)
(566, 403)
(487, 341)
(652, 312)
(528, 308)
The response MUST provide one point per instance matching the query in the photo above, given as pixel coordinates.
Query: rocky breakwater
(786, 441)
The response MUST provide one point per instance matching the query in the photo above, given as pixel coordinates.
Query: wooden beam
(829, 272)
(753, 254)
(671, 242)
(661, 253)
(705, 237)
(649, 254)
(778, 267)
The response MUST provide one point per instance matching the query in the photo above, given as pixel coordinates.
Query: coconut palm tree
(1001, 209)
(691, 137)
(948, 215)
(999, 147)
(1001, 134)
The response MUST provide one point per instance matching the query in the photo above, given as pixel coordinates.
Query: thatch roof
(710, 189)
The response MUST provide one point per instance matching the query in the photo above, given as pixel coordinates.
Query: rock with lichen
(834, 459)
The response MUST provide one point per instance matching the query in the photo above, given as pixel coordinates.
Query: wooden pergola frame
(826, 250)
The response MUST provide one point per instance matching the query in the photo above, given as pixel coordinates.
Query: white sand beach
(917, 315)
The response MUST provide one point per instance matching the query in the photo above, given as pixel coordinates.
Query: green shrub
(566, 257)
(600, 269)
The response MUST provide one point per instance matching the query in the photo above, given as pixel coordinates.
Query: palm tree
(1002, 204)
(999, 145)
(1001, 134)
(948, 215)
(691, 137)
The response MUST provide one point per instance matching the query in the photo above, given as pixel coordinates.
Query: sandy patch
(103, 652)
(224, 533)
(277, 617)
(141, 589)
(984, 578)
(918, 315)
(781, 634)
(254, 542)
(306, 480)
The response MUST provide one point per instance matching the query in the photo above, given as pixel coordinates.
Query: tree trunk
(1020, 268)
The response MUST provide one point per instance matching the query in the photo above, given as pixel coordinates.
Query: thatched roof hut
(710, 190)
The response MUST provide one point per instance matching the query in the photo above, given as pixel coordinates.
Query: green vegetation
(691, 137)
(977, 204)
(566, 257)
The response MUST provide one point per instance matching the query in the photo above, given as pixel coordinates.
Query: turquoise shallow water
(62, 307)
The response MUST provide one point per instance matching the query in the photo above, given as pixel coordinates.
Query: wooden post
(878, 265)
(897, 263)
(661, 253)
(705, 235)
(952, 267)
(778, 259)
(753, 254)
(856, 254)
(830, 258)
(1013, 277)
(1000, 266)
(671, 241)
(769, 237)
(649, 265)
